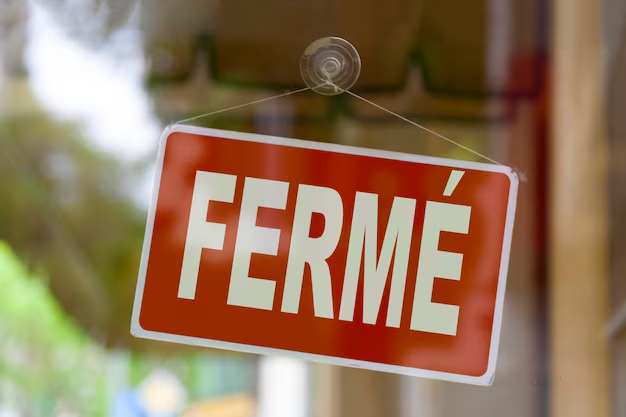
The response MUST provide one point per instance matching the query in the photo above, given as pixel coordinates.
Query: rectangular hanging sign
(356, 257)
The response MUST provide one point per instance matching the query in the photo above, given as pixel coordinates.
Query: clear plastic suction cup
(330, 65)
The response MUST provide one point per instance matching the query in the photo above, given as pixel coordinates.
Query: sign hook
(330, 66)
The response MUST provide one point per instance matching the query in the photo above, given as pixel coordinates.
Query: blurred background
(86, 86)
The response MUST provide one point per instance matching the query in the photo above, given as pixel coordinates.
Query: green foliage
(65, 210)
(48, 360)
(51, 364)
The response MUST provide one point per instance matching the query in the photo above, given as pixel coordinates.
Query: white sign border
(485, 379)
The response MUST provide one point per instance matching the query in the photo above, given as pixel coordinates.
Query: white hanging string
(289, 93)
(421, 127)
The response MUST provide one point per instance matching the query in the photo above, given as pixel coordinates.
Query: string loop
(371, 103)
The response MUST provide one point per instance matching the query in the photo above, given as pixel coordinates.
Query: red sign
(356, 257)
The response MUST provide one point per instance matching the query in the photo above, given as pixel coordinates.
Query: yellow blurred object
(235, 406)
